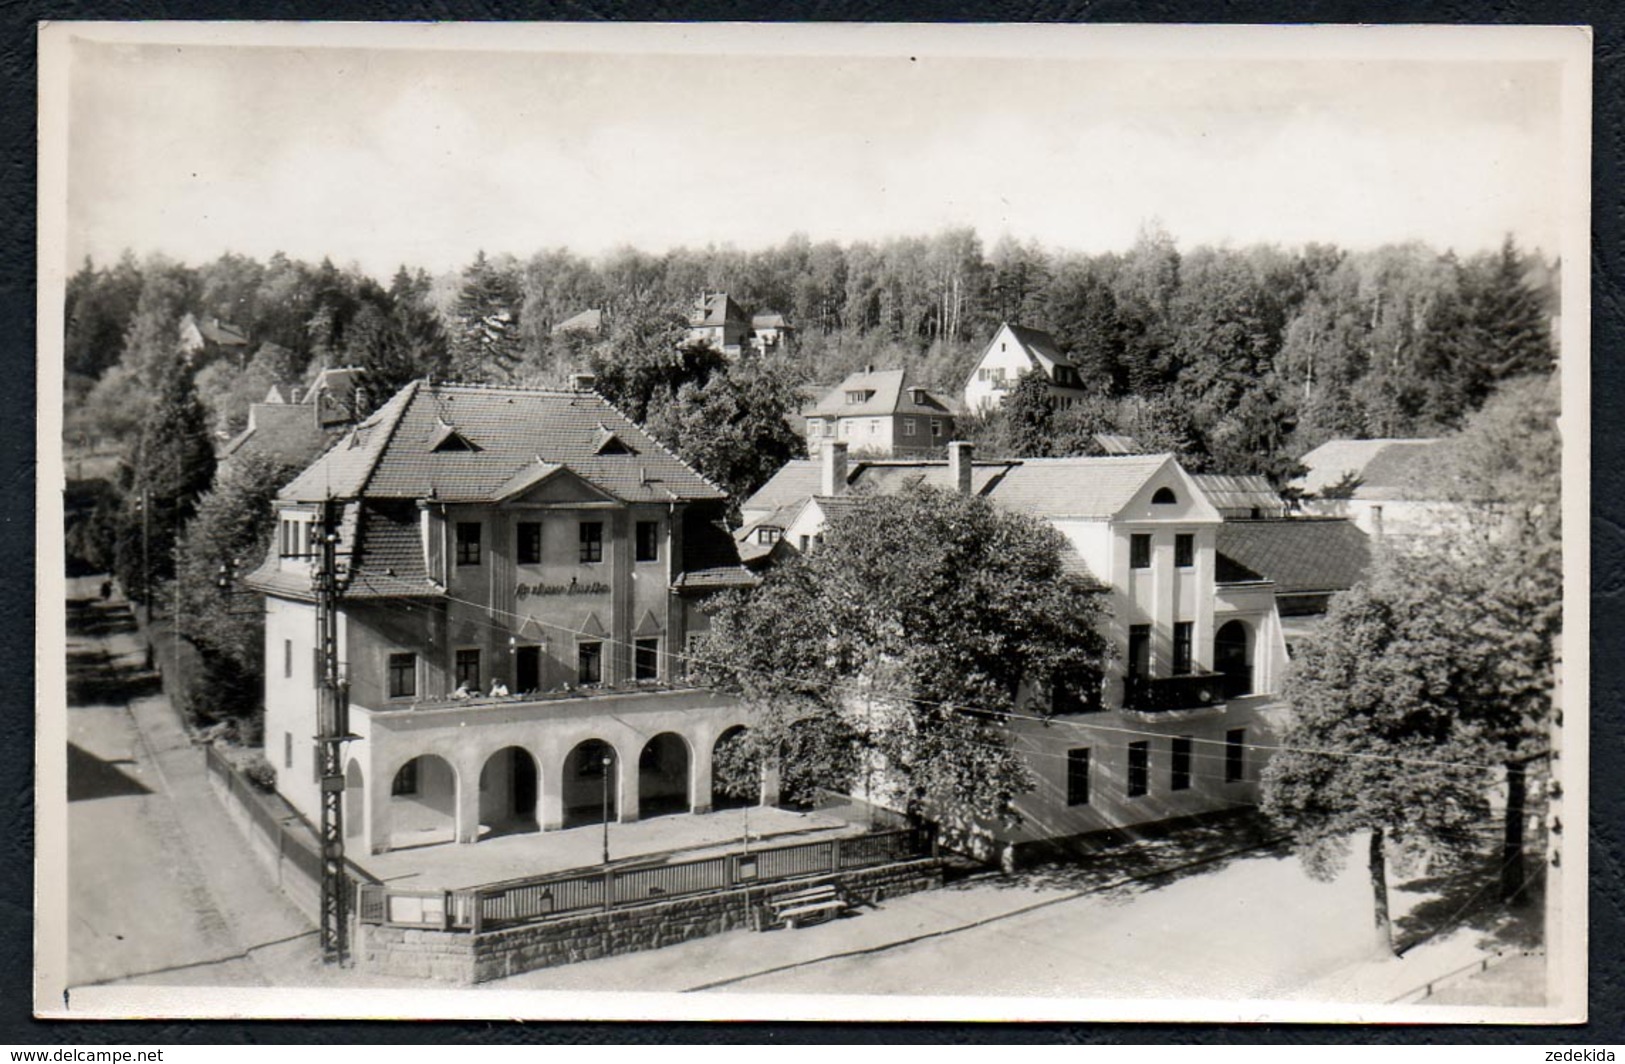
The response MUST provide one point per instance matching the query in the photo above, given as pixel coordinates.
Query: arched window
(1164, 497)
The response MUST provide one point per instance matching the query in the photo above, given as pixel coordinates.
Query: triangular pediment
(548, 482)
(1169, 494)
(648, 625)
(592, 627)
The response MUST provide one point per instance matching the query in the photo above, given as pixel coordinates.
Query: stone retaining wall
(460, 957)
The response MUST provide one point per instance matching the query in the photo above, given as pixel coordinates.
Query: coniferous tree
(485, 342)
(171, 467)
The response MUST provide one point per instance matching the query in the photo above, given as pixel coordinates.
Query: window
(648, 541)
(1139, 768)
(767, 535)
(815, 427)
(468, 543)
(530, 543)
(1139, 550)
(1235, 751)
(406, 780)
(874, 426)
(646, 659)
(592, 542)
(403, 675)
(908, 427)
(287, 659)
(1139, 650)
(1077, 776)
(806, 542)
(467, 671)
(1179, 766)
(1182, 648)
(287, 749)
(936, 429)
(1164, 497)
(590, 662)
(1185, 550)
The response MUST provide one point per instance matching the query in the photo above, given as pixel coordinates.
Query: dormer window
(1164, 497)
(609, 444)
(858, 396)
(447, 438)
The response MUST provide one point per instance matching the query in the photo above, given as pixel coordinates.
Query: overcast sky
(389, 155)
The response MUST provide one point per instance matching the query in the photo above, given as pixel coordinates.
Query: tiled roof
(710, 556)
(1299, 554)
(588, 321)
(390, 552)
(1117, 444)
(391, 455)
(286, 433)
(1076, 487)
(801, 478)
(890, 395)
(1240, 494)
(1387, 469)
(768, 320)
(716, 309)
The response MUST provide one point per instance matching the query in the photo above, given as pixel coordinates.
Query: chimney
(959, 465)
(582, 382)
(834, 459)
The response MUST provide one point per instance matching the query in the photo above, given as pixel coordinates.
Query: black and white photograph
(790, 521)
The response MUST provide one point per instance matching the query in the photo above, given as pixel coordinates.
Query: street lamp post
(606, 761)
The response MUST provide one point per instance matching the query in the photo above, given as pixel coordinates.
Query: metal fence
(522, 901)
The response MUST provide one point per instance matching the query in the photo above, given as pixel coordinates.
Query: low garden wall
(464, 957)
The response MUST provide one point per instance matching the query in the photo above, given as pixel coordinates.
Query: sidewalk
(243, 912)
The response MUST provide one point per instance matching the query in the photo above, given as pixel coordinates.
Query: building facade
(878, 413)
(1176, 725)
(523, 570)
(1015, 351)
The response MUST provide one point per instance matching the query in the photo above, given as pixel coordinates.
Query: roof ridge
(411, 392)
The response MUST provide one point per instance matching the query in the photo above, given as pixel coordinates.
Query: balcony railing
(1164, 693)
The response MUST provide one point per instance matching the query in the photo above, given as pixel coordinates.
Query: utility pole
(146, 567)
(333, 730)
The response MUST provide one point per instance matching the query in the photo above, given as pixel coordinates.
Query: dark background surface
(18, 81)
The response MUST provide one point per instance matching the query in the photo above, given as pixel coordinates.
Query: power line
(838, 686)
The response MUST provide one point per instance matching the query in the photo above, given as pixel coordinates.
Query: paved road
(161, 887)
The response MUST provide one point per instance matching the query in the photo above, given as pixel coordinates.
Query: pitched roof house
(1383, 486)
(1015, 351)
(877, 412)
(536, 539)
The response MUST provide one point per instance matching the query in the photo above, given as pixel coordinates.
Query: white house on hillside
(1014, 351)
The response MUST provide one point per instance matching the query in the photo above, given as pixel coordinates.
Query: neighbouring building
(539, 540)
(590, 322)
(1015, 351)
(209, 336)
(877, 412)
(719, 320)
(1381, 485)
(1248, 495)
(294, 424)
(1308, 559)
(1176, 725)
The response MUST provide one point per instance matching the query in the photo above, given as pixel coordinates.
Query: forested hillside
(1245, 357)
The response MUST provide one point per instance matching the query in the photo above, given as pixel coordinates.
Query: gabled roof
(888, 392)
(587, 321)
(1041, 350)
(1240, 495)
(1386, 469)
(717, 308)
(391, 454)
(215, 331)
(287, 433)
(1300, 554)
(768, 320)
(1077, 487)
(802, 478)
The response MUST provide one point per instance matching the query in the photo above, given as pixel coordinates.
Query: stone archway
(355, 801)
(509, 783)
(735, 779)
(663, 776)
(590, 787)
(423, 802)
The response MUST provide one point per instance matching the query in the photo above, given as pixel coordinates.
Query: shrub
(260, 772)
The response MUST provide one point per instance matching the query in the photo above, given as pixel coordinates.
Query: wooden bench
(799, 908)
